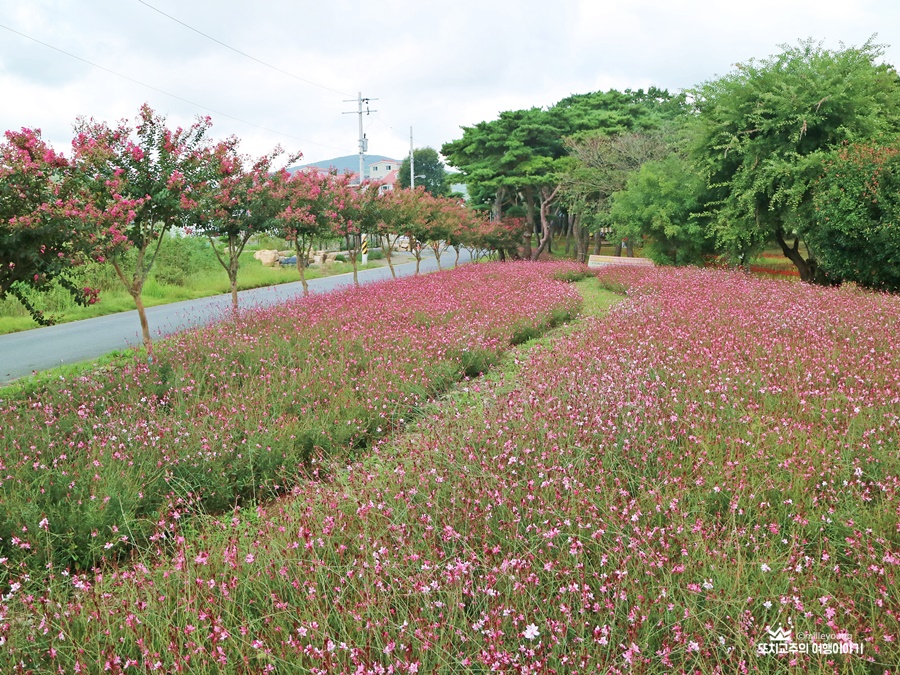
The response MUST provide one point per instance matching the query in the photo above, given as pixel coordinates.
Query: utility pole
(363, 146)
(412, 163)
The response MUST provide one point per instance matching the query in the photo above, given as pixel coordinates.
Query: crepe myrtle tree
(238, 199)
(353, 210)
(305, 212)
(153, 170)
(388, 217)
(409, 213)
(45, 228)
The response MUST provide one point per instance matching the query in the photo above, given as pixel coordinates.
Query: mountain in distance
(343, 164)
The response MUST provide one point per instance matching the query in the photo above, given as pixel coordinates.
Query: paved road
(42, 348)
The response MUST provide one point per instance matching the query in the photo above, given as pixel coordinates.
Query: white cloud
(433, 66)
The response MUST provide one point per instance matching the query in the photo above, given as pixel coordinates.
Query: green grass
(597, 300)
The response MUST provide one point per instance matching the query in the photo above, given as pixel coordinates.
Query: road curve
(38, 349)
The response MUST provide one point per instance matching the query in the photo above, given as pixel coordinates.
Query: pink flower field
(657, 489)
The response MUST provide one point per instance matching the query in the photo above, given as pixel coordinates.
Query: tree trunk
(529, 219)
(581, 239)
(387, 250)
(301, 264)
(598, 242)
(546, 229)
(497, 208)
(142, 314)
(629, 247)
(435, 246)
(806, 268)
(135, 288)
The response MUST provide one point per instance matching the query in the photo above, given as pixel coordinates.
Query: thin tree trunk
(437, 256)
(598, 242)
(301, 264)
(142, 315)
(386, 249)
(581, 239)
(135, 288)
(529, 219)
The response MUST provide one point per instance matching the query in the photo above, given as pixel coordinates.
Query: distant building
(385, 171)
(377, 168)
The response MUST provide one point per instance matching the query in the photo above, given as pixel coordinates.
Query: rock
(267, 258)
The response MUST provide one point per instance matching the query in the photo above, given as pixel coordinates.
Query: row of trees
(796, 150)
(126, 186)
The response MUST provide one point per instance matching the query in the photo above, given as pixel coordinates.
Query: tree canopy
(515, 164)
(765, 130)
(45, 228)
(139, 180)
(857, 212)
(430, 172)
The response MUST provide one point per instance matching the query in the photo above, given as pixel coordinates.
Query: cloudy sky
(433, 66)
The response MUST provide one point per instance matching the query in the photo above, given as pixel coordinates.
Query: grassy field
(656, 474)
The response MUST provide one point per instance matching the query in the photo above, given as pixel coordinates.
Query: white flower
(765, 568)
(531, 632)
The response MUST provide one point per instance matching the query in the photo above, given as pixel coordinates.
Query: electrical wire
(238, 51)
(161, 91)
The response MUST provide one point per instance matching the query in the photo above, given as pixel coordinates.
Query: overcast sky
(433, 66)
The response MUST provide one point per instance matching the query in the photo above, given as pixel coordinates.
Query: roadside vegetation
(185, 269)
(700, 458)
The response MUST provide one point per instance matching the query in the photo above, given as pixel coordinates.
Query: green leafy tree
(518, 160)
(857, 210)
(765, 130)
(141, 179)
(661, 202)
(601, 166)
(430, 172)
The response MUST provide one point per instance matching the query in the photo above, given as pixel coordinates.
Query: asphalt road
(35, 350)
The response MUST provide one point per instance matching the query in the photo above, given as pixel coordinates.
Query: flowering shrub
(245, 407)
(715, 457)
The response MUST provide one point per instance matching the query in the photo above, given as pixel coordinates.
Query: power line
(244, 54)
(161, 91)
